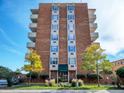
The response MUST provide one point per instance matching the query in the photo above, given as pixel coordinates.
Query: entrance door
(63, 76)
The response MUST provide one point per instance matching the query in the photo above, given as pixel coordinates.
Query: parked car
(3, 83)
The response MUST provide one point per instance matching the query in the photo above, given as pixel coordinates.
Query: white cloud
(110, 19)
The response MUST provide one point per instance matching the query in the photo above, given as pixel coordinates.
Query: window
(72, 61)
(54, 26)
(71, 48)
(55, 8)
(70, 7)
(54, 48)
(71, 26)
(54, 60)
(54, 37)
(55, 17)
(70, 17)
(71, 37)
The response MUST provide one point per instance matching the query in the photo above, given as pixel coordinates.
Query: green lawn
(87, 87)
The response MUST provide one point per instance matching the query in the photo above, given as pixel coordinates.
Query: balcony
(92, 18)
(31, 45)
(91, 11)
(94, 36)
(33, 27)
(26, 55)
(32, 36)
(34, 18)
(93, 27)
(34, 11)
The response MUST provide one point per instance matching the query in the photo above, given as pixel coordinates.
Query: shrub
(50, 82)
(93, 76)
(80, 82)
(74, 83)
(80, 76)
(120, 72)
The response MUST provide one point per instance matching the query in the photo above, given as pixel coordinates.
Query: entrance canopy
(63, 68)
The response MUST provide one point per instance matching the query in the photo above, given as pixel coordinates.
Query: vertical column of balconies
(54, 46)
(71, 37)
(33, 27)
(93, 26)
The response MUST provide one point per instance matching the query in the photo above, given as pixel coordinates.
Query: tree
(6, 73)
(106, 67)
(34, 63)
(120, 74)
(91, 57)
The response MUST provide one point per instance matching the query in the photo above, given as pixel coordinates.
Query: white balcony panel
(91, 11)
(33, 26)
(34, 17)
(53, 67)
(34, 11)
(93, 27)
(26, 55)
(72, 67)
(32, 36)
(94, 36)
(92, 18)
(30, 45)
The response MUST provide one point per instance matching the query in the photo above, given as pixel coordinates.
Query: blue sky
(15, 18)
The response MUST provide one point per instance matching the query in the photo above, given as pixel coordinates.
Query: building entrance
(63, 73)
(63, 76)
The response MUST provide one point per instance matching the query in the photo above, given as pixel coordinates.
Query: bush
(120, 72)
(93, 76)
(80, 82)
(74, 83)
(80, 76)
(50, 82)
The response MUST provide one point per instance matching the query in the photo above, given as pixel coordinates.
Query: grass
(86, 87)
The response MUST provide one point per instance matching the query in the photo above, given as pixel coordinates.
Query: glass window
(71, 48)
(71, 26)
(70, 17)
(54, 60)
(72, 61)
(54, 48)
(71, 37)
(55, 8)
(54, 26)
(71, 7)
(55, 17)
(54, 37)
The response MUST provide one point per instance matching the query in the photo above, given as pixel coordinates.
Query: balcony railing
(34, 11)
(93, 27)
(32, 36)
(31, 45)
(92, 18)
(91, 11)
(34, 17)
(94, 36)
(33, 26)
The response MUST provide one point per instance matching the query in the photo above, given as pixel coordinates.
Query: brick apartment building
(60, 32)
(117, 64)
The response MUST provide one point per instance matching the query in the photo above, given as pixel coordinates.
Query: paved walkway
(61, 91)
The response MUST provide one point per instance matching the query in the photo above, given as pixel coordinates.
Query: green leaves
(94, 54)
